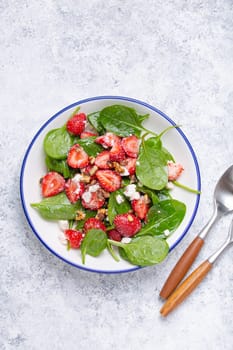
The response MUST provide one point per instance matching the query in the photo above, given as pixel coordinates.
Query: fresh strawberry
(93, 197)
(130, 145)
(109, 180)
(117, 152)
(140, 207)
(74, 237)
(174, 170)
(108, 140)
(130, 165)
(85, 134)
(114, 235)
(127, 224)
(52, 183)
(102, 160)
(77, 157)
(74, 190)
(93, 223)
(76, 124)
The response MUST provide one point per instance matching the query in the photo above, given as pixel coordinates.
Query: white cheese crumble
(126, 240)
(166, 233)
(93, 188)
(130, 191)
(86, 196)
(77, 178)
(170, 185)
(62, 238)
(63, 224)
(125, 172)
(119, 199)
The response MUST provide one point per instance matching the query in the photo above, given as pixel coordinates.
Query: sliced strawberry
(174, 170)
(74, 237)
(74, 190)
(127, 224)
(109, 180)
(117, 152)
(108, 140)
(130, 165)
(77, 157)
(85, 134)
(76, 124)
(140, 207)
(52, 183)
(93, 223)
(114, 235)
(102, 160)
(130, 145)
(93, 197)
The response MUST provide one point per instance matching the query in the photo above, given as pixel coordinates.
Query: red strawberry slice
(102, 160)
(74, 190)
(93, 198)
(140, 207)
(77, 157)
(127, 224)
(74, 237)
(108, 140)
(130, 165)
(130, 145)
(52, 183)
(114, 235)
(85, 134)
(76, 124)
(117, 152)
(93, 223)
(109, 180)
(174, 170)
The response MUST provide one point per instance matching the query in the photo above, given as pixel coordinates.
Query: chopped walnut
(86, 178)
(93, 170)
(92, 160)
(118, 168)
(101, 213)
(80, 215)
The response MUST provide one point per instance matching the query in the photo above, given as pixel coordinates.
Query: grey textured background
(176, 55)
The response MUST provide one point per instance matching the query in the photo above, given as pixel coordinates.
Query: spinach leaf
(150, 167)
(143, 117)
(120, 120)
(57, 208)
(114, 207)
(57, 143)
(89, 145)
(144, 251)
(95, 241)
(94, 120)
(163, 194)
(59, 165)
(165, 215)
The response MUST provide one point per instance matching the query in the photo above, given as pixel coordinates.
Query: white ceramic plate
(33, 168)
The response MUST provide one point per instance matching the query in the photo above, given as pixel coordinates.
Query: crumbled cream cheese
(119, 199)
(94, 188)
(126, 240)
(124, 172)
(130, 191)
(170, 185)
(63, 224)
(77, 178)
(62, 238)
(166, 233)
(86, 196)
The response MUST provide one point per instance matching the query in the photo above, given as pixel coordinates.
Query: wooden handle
(186, 288)
(182, 266)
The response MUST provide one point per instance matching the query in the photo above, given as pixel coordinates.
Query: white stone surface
(176, 55)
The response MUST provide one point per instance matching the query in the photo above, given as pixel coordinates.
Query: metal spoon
(195, 278)
(223, 204)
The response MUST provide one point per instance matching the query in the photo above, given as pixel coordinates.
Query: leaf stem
(111, 251)
(176, 183)
(117, 244)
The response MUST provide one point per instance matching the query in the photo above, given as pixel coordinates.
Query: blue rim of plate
(108, 97)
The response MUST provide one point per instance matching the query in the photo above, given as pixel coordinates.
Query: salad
(108, 184)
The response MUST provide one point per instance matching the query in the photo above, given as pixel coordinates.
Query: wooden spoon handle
(182, 266)
(186, 288)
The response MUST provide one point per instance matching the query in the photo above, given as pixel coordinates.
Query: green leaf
(57, 143)
(114, 207)
(165, 215)
(89, 145)
(94, 120)
(59, 165)
(120, 120)
(95, 241)
(151, 193)
(57, 208)
(144, 251)
(151, 167)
